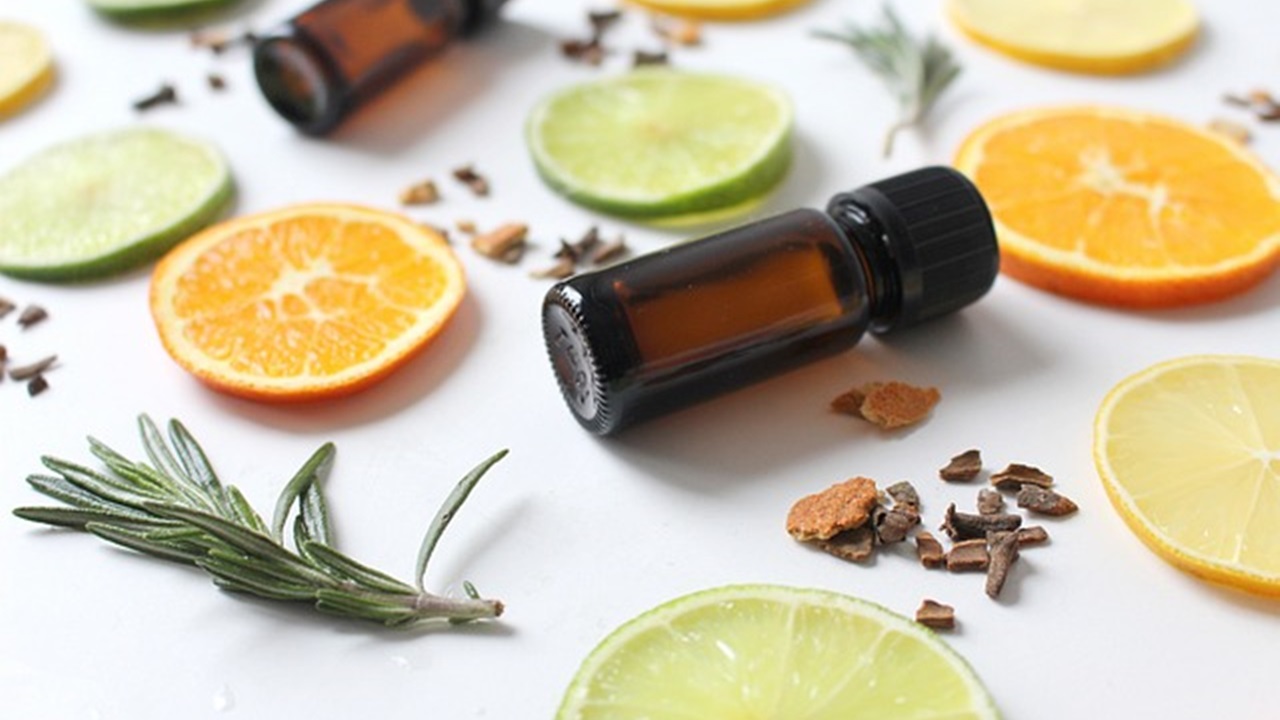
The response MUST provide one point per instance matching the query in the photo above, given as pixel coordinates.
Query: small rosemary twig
(915, 71)
(177, 509)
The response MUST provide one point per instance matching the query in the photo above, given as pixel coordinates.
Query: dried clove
(166, 95)
(929, 550)
(216, 81)
(1004, 553)
(420, 193)
(31, 315)
(1015, 475)
(936, 615)
(1045, 501)
(578, 250)
(966, 526)
(37, 385)
(26, 372)
(468, 176)
(968, 555)
(990, 502)
(962, 467)
(506, 243)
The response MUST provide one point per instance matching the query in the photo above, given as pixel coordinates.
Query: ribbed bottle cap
(939, 234)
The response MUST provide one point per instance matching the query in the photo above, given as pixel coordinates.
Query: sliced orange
(720, 9)
(1125, 208)
(306, 302)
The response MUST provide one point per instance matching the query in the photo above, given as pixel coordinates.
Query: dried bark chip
(468, 176)
(31, 315)
(26, 372)
(1045, 501)
(904, 494)
(609, 252)
(1004, 553)
(563, 268)
(506, 243)
(893, 526)
(963, 467)
(935, 615)
(37, 385)
(4, 354)
(966, 526)
(1015, 475)
(643, 58)
(855, 545)
(424, 192)
(929, 550)
(6, 307)
(216, 81)
(841, 507)
(590, 51)
(890, 405)
(1033, 535)
(968, 555)
(990, 502)
(466, 226)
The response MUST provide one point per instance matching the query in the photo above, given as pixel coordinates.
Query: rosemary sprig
(176, 508)
(915, 71)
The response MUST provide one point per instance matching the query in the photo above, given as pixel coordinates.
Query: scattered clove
(420, 193)
(966, 526)
(929, 550)
(968, 555)
(26, 372)
(963, 467)
(468, 176)
(990, 502)
(936, 615)
(578, 250)
(37, 385)
(166, 95)
(31, 315)
(506, 243)
(645, 58)
(1004, 553)
(1015, 475)
(1045, 501)
(216, 81)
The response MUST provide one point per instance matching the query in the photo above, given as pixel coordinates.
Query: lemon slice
(767, 651)
(720, 9)
(1089, 36)
(1189, 453)
(107, 202)
(661, 143)
(26, 66)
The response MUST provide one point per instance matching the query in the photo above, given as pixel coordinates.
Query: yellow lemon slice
(26, 66)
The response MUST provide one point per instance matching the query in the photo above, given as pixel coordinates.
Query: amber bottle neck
(872, 245)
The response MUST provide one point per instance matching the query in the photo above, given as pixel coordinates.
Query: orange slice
(1125, 208)
(306, 302)
(720, 9)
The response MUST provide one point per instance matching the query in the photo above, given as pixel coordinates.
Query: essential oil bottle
(669, 329)
(329, 59)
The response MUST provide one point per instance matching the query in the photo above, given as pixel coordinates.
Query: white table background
(576, 534)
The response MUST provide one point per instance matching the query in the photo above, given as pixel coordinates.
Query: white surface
(575, 534)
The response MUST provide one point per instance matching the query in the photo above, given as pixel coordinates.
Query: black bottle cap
(936, 232)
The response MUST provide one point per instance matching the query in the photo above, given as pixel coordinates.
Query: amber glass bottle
(324, 62)
(668, 329)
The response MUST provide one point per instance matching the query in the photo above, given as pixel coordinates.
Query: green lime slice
(658, 143)
(146, 10)
(108, 202)
(766, 651)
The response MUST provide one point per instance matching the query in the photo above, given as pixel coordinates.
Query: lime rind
(660, 143)
(105, 203)
(159, 11)
(789, 655)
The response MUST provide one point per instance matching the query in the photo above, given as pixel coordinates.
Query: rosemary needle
(915, 71)
(177, 509)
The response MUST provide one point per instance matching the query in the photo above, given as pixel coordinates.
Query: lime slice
(107, 202)
(26, 66)
(659, 143)
(766, 651)
(129, 10)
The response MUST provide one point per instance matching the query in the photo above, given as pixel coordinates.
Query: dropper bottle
(689, 322)
(323, 63)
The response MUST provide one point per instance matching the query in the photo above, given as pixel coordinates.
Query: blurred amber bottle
(329, 59)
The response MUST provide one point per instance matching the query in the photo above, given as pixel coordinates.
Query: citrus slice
(1189, 453)
(766, 651)
(306, 302)
(1106, 37)
(720, 9)
(1125, 208)
(26, 66)
(107, 202)
(129, 10)
(660, 143)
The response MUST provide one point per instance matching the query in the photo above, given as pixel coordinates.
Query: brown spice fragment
(904, 494)
(4, 355)
(505, 243)
(609, 252)
(31, 315)
(678, 31)
(841, 507)
(1033, 535)
(929, 550)
(1045, 501)
(936, 615)
(990, 502)
(466, 226)
(468, 176)
(216, 81)
(37, 385)
(424, 192)
(166, 95)
(1015, 475)
(6, 307)
(645, 58)
(966, 526)
(1004, 553)
(577, 250)
(26, 372)
(1231, 129)
(962, 467)
(889, 405)
(855, 545)
(602, 20)
(968, 555)
(894, 525)
(563, 268)
(590, 51)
